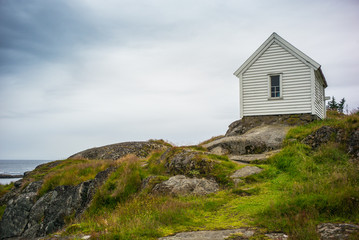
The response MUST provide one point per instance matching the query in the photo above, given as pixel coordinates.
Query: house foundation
(248, 122)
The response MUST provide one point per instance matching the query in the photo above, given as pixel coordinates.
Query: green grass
(5, 188)
(150, 217)
(316, 186)
(71, 172)
(299, 188)
(120, 185)
(2, 210)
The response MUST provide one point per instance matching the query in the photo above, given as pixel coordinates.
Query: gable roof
(275, 38)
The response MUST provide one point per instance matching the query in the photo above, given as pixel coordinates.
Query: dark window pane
(273, 94)
(274, 80)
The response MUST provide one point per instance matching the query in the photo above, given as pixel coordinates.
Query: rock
(353, 143)
(277, 236)
(211, 235)
(27, 217)
(250, 158)
(257, 140)
(246, 171)
(337, 231)
(184, 162)
(149, 182)
(15, 217)
(320, 136)
(247, 123)
(119, 150)
(236, 128)
(181, 185)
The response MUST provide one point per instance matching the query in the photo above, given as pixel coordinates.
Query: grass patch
(120, 185)
(72, 172)
(154, 164)
(316, 186)
(5, 188)
(2, 210)
(150, 216)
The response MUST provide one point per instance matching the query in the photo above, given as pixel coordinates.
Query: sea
(17, 167)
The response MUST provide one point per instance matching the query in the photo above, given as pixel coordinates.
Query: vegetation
(319, 185)
(66, 172)
(337, 106)
(299, 188)
(5, 188)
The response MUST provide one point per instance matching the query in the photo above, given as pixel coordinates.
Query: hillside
(150, 190)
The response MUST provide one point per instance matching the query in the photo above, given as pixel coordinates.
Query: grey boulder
(181, 185)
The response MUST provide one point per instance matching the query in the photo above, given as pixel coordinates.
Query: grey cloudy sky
(86, 73)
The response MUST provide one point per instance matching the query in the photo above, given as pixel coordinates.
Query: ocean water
(16, 167)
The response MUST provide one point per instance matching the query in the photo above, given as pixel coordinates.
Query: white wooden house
(279, 79)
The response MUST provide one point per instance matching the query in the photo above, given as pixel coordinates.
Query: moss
(2, 210)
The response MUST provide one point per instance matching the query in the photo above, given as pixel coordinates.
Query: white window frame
(270, 86)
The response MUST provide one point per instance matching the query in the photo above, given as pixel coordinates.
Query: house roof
(274, 37)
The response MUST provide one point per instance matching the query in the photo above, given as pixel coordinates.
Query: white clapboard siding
(302, 87)
(319, 97)
(296, 84)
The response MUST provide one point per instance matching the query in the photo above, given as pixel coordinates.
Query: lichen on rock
(119, 150)
(181, 185)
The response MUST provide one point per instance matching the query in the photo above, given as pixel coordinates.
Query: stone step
(249, 158)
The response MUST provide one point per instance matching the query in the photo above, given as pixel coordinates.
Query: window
(275, 86)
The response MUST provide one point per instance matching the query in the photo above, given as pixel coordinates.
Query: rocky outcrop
(253, 158)
(277, 236)
(15, 218)
(247, 123)
(119, 150)
(257, 140)
(213, 235)
(181, 185)
(246, 171)
(234, 234)
(27, 217)
(353, 144)
(326, 134)
(337, 231)
(321, 136)
(185, 161)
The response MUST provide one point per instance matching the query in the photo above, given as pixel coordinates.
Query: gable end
(283, 43)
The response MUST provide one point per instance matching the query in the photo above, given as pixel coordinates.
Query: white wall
(319, 103)
(296, 84)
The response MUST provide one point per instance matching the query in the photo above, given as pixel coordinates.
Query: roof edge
(295, 51)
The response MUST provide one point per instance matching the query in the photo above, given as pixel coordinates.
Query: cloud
(78, 74)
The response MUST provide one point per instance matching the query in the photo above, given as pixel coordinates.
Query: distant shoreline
(11, 176)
